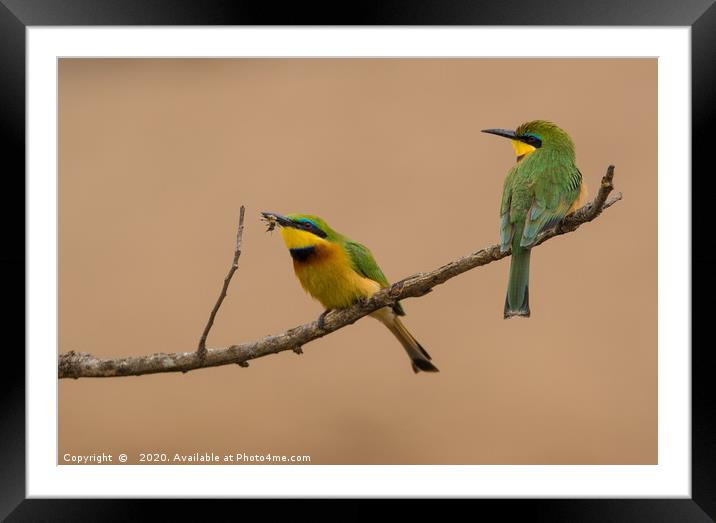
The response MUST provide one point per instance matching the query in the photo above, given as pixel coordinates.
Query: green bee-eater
(540, 189)
(339, 272)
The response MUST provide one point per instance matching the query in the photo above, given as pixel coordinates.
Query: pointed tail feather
(419, 357)
(517, 301)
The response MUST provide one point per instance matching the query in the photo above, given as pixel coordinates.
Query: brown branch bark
(82, 365)
(201, 349)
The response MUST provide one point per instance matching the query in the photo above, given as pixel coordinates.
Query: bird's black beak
(278, 218)
(505, 133)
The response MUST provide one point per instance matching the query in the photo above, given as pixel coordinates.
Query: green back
(365, 265)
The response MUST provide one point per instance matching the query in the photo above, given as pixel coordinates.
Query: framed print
(191, 187)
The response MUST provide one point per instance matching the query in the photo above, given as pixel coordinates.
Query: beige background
(156, 156)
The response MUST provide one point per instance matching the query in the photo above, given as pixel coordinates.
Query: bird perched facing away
(540, 190)
(339, 272)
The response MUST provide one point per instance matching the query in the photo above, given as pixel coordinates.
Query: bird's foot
(322, 319)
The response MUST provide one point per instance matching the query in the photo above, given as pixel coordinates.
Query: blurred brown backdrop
(156, 156)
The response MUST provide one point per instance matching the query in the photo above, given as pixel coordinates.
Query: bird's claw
(322, 319)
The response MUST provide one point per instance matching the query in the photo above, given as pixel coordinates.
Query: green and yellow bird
(339, 272)
(539, 191)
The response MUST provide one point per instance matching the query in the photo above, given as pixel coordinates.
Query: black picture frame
(17, 15)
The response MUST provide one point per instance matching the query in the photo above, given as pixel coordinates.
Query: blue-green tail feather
(517, 302)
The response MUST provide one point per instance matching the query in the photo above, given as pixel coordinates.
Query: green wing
(365, 265)
(507, 229)
(554, 193)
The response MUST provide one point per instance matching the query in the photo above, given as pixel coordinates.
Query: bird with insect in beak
(541, 189)
(340, 272)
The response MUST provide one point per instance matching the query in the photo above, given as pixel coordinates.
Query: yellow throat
(522, 149)
(298, 239)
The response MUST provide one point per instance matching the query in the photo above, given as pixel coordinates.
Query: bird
(542, 188)
(339, 272)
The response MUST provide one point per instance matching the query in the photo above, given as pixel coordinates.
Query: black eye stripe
(310, 227)
(531, 140)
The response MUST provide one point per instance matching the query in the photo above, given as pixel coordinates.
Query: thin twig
(201, 350)
(82, 365)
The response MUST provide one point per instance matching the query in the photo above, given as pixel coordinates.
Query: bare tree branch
(82, 365)
(201, 349)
